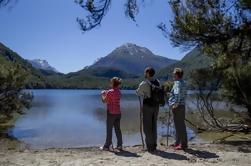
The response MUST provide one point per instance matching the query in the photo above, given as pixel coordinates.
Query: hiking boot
(119, 148)
(151, 149)
(184, 147)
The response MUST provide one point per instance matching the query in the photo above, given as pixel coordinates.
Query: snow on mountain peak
(42, 64)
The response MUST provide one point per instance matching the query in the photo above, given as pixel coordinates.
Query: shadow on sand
(242, 146)
(202, 154)
(125, 153)
(237, 143)
(171, 156)
(163, 154)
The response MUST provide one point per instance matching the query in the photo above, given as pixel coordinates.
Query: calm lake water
(76, 118)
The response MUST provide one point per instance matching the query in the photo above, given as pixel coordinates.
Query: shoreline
(238, 153)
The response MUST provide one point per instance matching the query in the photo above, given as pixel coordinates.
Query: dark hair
(116, 81)
(179, 72)
(150, 70)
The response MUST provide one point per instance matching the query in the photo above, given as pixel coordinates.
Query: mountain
(84, 79)
(132, 59)
(105, 72)
(35, 78)
(191, 61)
(42, 64)
(127, 62)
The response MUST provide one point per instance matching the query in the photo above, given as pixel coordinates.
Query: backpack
(157, 93)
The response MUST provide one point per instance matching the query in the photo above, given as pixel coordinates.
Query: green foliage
(12, 96)
(215, 24)
(97, 10)
(223, 30)
(4, 2)
(205, 79)
(237, 85)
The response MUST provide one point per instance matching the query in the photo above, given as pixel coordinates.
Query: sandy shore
(230, 154)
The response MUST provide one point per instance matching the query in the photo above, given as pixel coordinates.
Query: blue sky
(47, 29)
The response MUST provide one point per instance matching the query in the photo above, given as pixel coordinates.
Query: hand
(103, 97)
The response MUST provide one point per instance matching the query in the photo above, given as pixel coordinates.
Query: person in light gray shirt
(150, 109)
(177, 104)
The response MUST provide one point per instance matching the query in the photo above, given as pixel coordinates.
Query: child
(112, 98)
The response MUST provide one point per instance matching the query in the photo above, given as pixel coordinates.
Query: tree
(98, 9)
(206, 81)
(231, 85)
(4, 3)
(222, 28)
(13, 98)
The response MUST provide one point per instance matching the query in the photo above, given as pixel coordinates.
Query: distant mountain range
(35, 78)
(132, 59)
(127, 61)
(107, 72)
(191, 61)
(42, 64)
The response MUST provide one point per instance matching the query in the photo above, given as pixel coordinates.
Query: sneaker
(179, 147)
(174, 145)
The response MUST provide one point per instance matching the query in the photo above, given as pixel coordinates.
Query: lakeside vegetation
(12, 97)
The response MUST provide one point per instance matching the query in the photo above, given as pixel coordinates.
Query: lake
(76, 118)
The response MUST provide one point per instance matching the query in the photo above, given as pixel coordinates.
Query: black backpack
(157, 93)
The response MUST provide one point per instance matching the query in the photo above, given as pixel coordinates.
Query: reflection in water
(74, 118)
